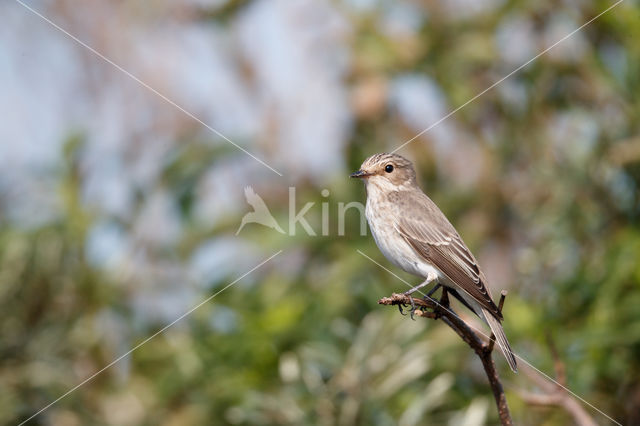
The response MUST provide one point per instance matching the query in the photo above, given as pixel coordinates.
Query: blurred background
(118, 212)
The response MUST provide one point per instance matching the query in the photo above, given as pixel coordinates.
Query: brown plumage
(416, 236)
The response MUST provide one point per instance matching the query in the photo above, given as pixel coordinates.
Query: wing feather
(439, 244)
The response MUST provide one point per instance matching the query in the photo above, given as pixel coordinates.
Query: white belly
(399, 252)
(395, 248)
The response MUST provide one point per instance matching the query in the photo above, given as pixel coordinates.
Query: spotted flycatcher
(415, 235)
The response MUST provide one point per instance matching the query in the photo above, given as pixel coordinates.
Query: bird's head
(387, 171)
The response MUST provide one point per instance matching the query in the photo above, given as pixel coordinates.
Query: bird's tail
(501, 339)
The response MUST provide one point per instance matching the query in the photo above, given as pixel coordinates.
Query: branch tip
(503, 295)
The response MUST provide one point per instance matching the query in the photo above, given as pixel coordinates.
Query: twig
(481, 348)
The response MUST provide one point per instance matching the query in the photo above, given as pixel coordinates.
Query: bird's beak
(359, 174)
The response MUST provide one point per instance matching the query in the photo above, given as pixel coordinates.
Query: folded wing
(439, 244)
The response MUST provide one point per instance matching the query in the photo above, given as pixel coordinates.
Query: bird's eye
(388, 168)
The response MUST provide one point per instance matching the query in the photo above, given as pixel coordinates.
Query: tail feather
(501, 339)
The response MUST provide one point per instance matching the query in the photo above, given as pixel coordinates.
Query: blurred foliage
(304, 342)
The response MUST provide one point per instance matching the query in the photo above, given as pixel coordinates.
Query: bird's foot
(409, 292)
(400, 306)
(413, 304)
(435, 304)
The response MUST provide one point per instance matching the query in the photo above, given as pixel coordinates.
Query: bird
(416, 236)
(260, 213)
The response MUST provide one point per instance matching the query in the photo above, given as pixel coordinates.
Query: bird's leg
(444, 299)
(444, 302)
(426, 282)
(430, 278)
(433, 290)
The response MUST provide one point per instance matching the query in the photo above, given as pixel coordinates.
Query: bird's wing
(440, 245)
(254, 199)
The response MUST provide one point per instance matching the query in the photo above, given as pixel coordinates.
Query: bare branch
(481, 348)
